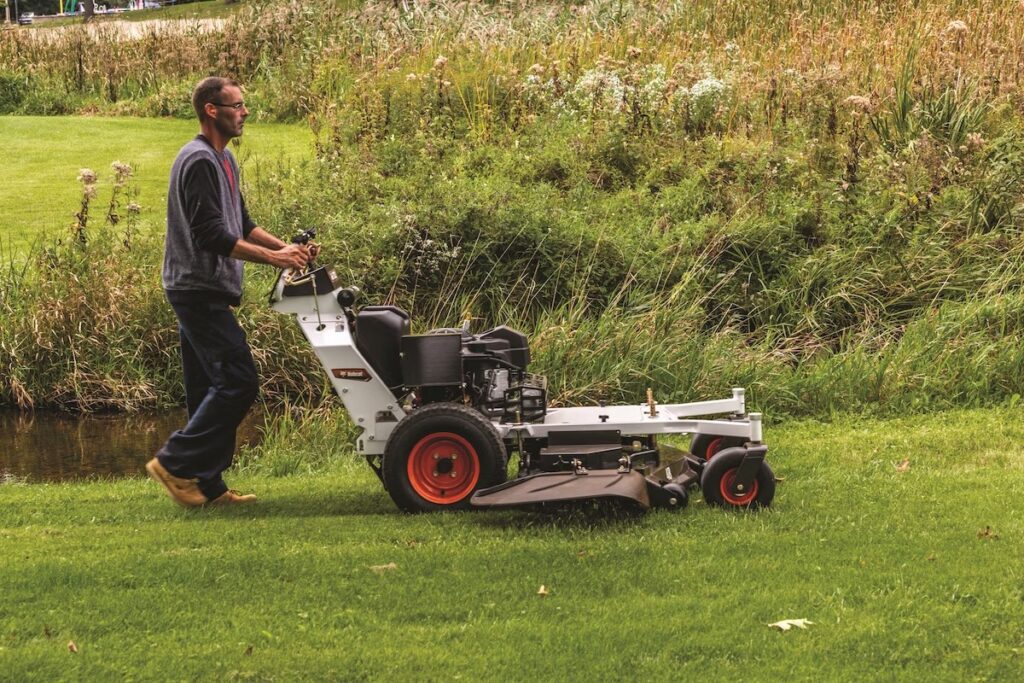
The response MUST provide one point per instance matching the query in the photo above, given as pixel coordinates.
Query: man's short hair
(208, 90)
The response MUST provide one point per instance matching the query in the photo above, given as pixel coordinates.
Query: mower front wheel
(439, 455)
(717, 479)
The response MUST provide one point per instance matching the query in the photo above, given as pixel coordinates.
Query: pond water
(38, 447)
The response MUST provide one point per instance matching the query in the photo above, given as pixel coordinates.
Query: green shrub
(13, 87)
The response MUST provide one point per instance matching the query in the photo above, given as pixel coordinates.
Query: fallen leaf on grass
(787, 624)
(542, 591)
(72, 648)
(381, 568)
(248, 651)
(988, 533)
(903, 466)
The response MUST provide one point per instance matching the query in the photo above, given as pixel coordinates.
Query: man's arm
(261, 237)
(207, 226)
(287, 256)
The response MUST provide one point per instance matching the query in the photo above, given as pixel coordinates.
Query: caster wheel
(717, 478)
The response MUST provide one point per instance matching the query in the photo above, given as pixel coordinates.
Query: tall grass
(786, 59)
(736, 268)
(820, 201)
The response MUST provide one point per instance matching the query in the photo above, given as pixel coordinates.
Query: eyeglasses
(237, 106)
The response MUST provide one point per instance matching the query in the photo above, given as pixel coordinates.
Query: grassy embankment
(907, 575)
(686, 198)
(44, 156)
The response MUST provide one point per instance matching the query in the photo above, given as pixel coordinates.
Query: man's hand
(291, 256)
(270, 250)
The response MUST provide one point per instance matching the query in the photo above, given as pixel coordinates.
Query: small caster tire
(716, 482)
(680, 494)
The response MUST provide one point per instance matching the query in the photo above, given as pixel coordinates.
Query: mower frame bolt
(455, 456)
(436, 456)
(739, 487)
(435, 473)
(453, 474)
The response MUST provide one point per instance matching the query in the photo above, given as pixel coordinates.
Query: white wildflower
(956, 27)
(597, 93)
(705, 97)
(707, 90)
(859, 102)
(709, 87)
(440, 63)
(122, 172)
(87, 176)
(653, 88)
(537, 90)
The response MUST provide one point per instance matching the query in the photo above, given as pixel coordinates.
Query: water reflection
(47, 447)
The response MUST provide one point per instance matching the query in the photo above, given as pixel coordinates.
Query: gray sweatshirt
(206, 216)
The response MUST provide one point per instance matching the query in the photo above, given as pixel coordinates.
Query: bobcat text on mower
(440, 413)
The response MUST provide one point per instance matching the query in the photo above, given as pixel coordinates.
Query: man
(209, 234)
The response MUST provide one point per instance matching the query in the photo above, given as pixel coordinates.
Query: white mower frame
(376, 411)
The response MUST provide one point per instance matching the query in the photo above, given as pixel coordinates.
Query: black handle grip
(304, 237)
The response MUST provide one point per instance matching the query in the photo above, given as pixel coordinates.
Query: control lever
(304, 237)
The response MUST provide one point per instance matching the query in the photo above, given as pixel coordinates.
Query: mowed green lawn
(43, 156)
(900, 540)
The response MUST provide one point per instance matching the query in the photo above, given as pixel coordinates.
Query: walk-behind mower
(440, 413)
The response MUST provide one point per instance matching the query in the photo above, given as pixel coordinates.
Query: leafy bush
(13, 87)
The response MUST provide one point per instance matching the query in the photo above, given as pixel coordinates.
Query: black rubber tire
(681, 495)
(720, 466)
(455, 418)
(700, 442)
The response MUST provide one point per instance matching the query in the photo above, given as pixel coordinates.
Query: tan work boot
(184, 492)
(231, 497)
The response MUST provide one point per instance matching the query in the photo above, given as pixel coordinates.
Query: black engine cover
(379, 331)
(432, 360)
(518, 352)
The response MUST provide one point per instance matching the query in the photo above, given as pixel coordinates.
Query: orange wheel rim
(443, 468)
(725, 487)
(713, 448)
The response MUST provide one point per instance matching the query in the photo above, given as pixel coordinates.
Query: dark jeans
(220, 386)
